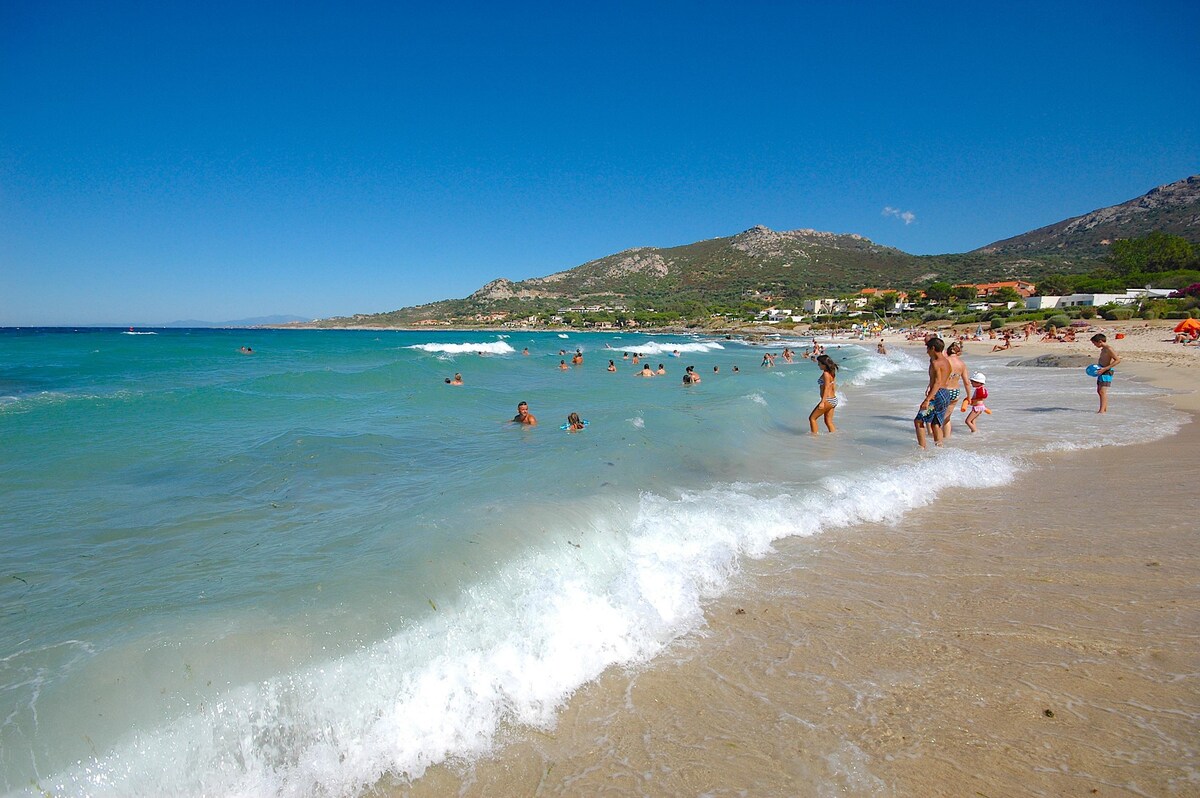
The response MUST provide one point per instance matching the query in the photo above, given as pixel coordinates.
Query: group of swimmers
(947, 374)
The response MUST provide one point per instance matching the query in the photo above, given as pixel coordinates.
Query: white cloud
(908, 217)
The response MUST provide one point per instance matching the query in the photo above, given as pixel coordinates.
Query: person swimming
(574, 424)
(612, 366)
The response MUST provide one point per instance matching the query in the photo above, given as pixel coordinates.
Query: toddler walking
(978, 394)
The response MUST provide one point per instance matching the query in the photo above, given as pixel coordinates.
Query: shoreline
(980, 646)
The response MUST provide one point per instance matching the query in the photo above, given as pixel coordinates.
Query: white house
(827, 305)
(1042, 302)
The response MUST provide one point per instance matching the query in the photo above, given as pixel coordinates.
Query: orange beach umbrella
(1188, 325)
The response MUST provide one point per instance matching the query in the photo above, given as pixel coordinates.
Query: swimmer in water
(645, 372)
(523, 415)
(612, 366)
(573, 423)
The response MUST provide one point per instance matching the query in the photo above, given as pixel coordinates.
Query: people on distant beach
(612, 366)
(978, 394)
(932, 411)
(573, 423)
(523, 415)
(1007, 343)
(827, 383)
(1108, 362)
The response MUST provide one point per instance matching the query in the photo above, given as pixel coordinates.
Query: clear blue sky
(161, 161)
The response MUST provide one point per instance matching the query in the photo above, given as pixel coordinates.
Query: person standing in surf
(937, 399)
(827, 382)
(958, 375)
(1108, 361)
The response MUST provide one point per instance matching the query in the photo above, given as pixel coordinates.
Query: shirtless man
(1108, 362)
(523, 415)
(937, 402)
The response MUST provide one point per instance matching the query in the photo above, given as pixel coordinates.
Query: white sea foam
(508, 650)
(493, 347)
(657, 348)
(871, 366)
(758, 399)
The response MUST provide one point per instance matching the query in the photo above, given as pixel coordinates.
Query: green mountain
(784, 267)
(1173, 208)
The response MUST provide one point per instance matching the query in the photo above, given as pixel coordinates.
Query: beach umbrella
(1080, 323)
(1188, 325)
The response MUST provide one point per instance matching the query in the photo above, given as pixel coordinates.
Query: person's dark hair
(826, 362)
(447, 380)
(1099, 338)
(936, 344)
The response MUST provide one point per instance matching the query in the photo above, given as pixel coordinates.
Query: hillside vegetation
(740, 274)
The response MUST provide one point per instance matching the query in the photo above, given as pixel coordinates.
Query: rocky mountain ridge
(1172, 208)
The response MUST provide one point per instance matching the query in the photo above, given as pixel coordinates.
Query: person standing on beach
(958, 375)
(523, 415)
(937, 399)
(1108, 362)
(827, 382)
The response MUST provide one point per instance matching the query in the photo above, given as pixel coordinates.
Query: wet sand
(1040, 639)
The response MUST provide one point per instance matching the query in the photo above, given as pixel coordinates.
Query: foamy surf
(490, 347)
(510, 649)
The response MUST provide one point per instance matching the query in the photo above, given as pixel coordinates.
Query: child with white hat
(978, 394)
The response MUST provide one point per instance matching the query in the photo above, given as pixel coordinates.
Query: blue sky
(162, 161)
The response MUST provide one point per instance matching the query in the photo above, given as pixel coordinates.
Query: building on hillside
(987, 289)
(824, 306)
(1131, 296)
(1041, 302)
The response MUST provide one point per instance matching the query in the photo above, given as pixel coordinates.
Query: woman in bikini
(958, 376)
(828, 385)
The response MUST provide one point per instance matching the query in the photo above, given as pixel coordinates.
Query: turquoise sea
(305, 569)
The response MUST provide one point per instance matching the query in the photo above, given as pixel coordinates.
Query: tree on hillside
(1054, 285)
(939, 291)
(1006, 294)
(1156, 252)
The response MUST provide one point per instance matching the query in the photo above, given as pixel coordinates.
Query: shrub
(1118, 314)
(1177, 314)
(1059, 320)
(1087, 312)
(997, 323)
(1149, 314)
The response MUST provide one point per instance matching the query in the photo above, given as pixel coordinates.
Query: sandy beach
(1039, 638)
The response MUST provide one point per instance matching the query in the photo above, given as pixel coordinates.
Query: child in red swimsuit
(978, 394)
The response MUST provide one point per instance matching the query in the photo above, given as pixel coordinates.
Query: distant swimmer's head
(447, 380)
(573, 420)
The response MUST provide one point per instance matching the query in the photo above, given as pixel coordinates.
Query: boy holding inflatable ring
(1104, 369)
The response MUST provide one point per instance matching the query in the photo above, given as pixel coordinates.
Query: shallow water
(295, 571)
